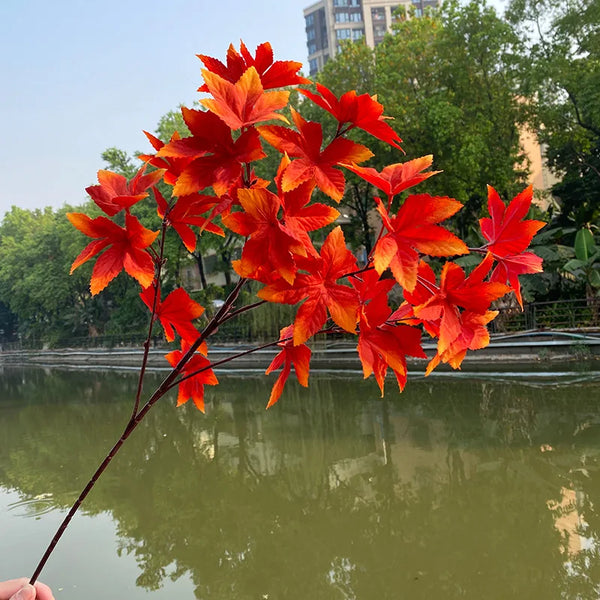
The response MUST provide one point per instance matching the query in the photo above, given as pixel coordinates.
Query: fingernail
(25, 593)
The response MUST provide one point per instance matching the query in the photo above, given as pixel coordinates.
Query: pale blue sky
(79, 76)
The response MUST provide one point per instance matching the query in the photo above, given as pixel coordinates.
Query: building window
(312, 47)
(313, 66)
(310, 19)
(356, 17)
(357, 34)
(310, 34)
(378, 15)
(342, 17)
(343, 34)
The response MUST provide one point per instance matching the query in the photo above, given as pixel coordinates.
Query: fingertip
(43, 592)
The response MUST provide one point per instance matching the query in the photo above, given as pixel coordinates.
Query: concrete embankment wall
(521, 347)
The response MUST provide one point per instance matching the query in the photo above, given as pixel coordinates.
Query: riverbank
(523, 347)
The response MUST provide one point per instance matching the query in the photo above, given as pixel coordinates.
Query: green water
(477, 487)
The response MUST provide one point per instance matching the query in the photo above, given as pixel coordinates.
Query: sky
(80, 76)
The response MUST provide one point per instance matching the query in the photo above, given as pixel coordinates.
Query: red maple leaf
(353, 110)
(414, 229)
(244, 102)
(473, 335)
(126, 249)
(319, 287)
(280, 73)
(398, 177)
(270, 243)
(216, 158)
(509, 236)
(506, 232)
(438, 308)
(380, 344)
(312, 164)
(172, 166)
(175, 313)
(192, 387)
(299, 216)
(114, 192)
(298, 356)
(510, 267)
(185, 212)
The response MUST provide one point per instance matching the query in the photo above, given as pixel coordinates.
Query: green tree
(560, 74)
(448, 80)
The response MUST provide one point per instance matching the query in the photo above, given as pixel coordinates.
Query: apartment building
(329, 22)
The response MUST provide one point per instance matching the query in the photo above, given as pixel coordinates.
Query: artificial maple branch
(162, 389)
(156, 285)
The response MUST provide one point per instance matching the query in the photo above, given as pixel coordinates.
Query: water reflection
(459, 488)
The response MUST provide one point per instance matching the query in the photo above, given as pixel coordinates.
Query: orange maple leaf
(185, 212)
(415, 229)
(298, 356)
(172, 166)
(299, 216)
(192, 387)
(398, 177)
(114, 192)
(312, 164)
(270, 242)
(244, 102)
(509, 268)
(280, 73)
(216, 159)
(319, 287)
(508, 236)
(473, 335)
(438, 308)
(353, 110)
(506, 231)
(380, 344)
(175, 313)
(126, 251)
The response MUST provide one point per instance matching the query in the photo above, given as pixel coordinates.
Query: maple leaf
(188, 211)
(175, 313)
(216, 159)
(244, 102)
(510, 267)
(473, 335)
(312, 164)
(381, 345)
(438, 307)
(172, 166)
(320, 290)
(414, 229)
(298, 356)
(114, 192)
(270, 242)
(506, 232)
(126, 251)
(193, 387)
(362, 111)
(398, 177)
(299, 216)
(280, 73)
(509, 236)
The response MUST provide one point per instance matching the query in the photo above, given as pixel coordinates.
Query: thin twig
(134, 422)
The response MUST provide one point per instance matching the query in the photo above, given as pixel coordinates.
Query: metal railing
(559, 314)
(556, 315)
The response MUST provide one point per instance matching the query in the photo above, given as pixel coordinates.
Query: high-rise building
(328, 22)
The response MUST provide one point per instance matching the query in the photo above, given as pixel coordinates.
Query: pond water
(475, 486)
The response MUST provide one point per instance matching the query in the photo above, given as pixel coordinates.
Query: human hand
(19, 589)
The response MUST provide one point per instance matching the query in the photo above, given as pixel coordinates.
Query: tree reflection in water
(442, 492)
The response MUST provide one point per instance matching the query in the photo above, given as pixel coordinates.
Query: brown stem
(162, 389)
(156, 284)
